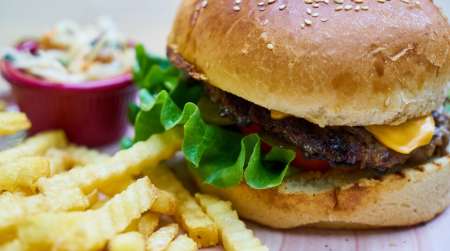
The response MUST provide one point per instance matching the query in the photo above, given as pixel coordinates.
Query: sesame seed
(308, 11)
(316, 5)
(339, 8)
(308, 22)
(405, 1)
(236, 8)
(348, 7)
(358, 1)
(237, 1)
(204, 3)
(302, 26)
(269, 46)
(309, 1)
(338, 1)
(357, 8)
(364, 7)
(324, 20)
(417, 3)
(261, 4)
(282, 7)
(381, 1)
(271, 1)
(315, 14)
(326, 1)
(264, 36)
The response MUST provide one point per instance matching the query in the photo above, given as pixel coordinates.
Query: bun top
(332, 62)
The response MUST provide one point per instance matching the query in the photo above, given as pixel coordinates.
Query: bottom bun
(337, 199)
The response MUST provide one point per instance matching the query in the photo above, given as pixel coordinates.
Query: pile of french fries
(12, 122)
(58, 196)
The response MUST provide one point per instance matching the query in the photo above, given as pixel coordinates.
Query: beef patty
(341, 145)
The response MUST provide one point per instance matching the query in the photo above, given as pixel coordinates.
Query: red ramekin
(92, 113)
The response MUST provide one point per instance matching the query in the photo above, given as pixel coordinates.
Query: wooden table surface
(149, 21)
(434, 236)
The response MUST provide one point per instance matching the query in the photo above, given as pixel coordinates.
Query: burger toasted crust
(415, 195)
(383, 65)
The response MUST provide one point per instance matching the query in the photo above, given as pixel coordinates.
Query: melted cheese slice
(406, 137)
(278, 115)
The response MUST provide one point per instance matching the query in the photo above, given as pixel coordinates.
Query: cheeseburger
(308, 112)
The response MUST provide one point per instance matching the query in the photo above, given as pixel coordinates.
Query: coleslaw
(71, 53)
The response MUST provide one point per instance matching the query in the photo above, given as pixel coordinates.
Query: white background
(148, 21)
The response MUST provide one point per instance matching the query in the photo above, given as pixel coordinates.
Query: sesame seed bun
(335, 200)
(332, 64)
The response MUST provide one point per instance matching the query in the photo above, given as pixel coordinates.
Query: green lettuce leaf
(221, 157)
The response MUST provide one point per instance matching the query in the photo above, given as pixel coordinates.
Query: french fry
(182, 243)
(59, 160)
(23, 173)
(189, 214)
(145, 225)
(148, 223)
(116, 186)
(235, 236)
(165, 203)
(130, 241)
(13, 245)
(93, 197)
(15, 207)
(7, 235)
(100, 201)
(12, 122)
(133, 226)
(83, 156)
(91, 229)
(161, 239)
(71, 156)
(65, 200)
(126, 162)
(61, 231)
(34, 146)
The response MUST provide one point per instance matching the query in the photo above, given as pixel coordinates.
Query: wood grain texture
(433, 236)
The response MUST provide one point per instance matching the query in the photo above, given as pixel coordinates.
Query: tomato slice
(252, 128)
(299, 161)
(310, 164)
